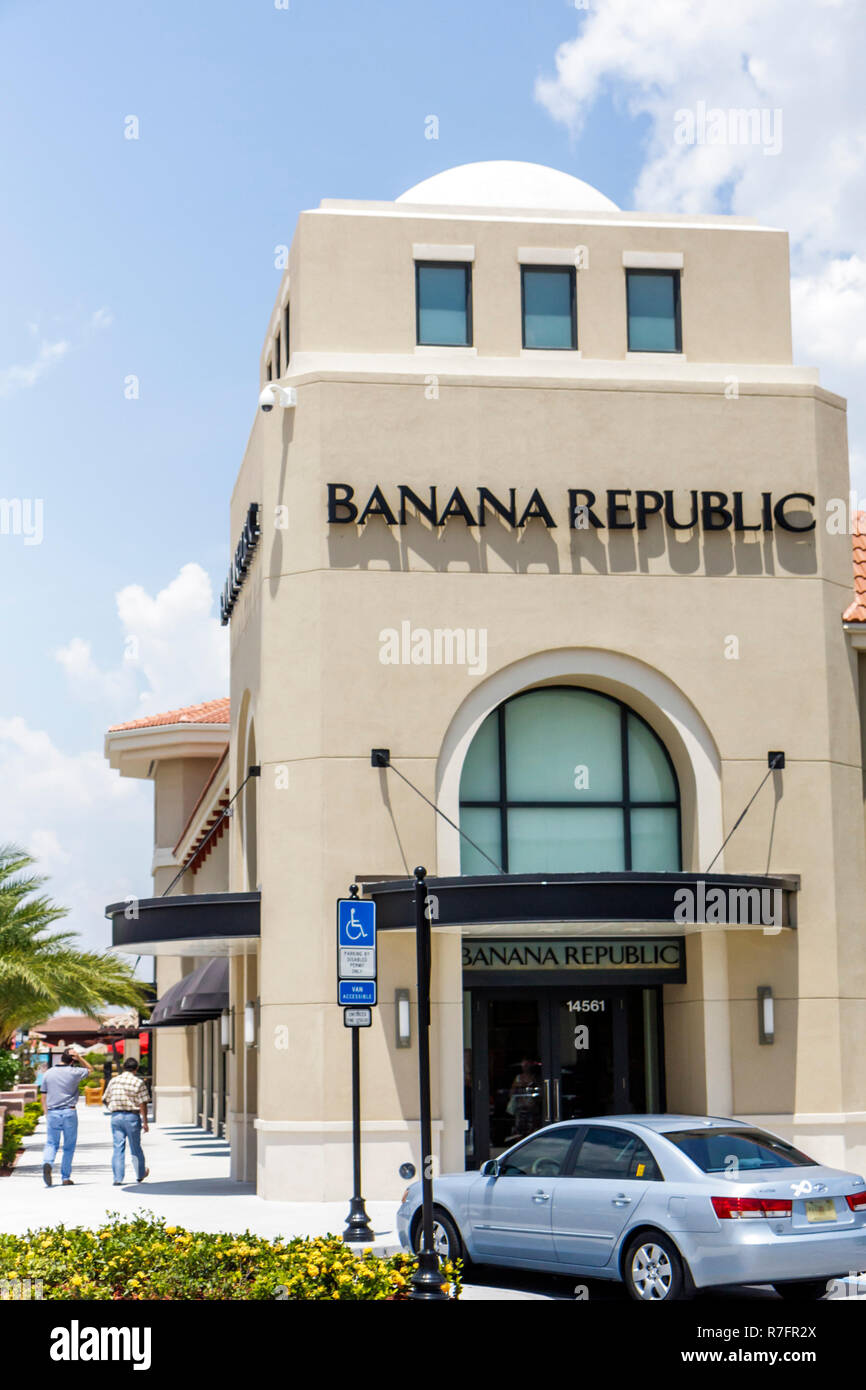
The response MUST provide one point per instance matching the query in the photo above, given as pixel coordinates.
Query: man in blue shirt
(59, 1087)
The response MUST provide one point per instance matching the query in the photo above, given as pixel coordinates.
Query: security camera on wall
(284, 396)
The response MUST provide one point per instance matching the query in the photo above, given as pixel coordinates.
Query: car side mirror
(490, 1169)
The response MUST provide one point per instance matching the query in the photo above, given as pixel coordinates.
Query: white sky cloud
(22, 376)
(86, 825)
(90, 829)
(173, 651)
(660, 60)
(830, 312)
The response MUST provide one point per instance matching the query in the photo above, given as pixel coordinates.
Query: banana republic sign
(617, 509)
(650, 959)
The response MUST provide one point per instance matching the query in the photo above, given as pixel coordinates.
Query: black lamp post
(358, 1226)
(427, 1279)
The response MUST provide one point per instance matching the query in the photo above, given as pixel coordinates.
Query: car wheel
(446, 1237)
(653, 1270)
(803, 1291)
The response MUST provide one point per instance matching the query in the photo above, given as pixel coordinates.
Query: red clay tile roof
(856, 611)
(211, 712)
(68, 1023)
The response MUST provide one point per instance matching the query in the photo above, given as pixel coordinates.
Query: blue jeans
(125, 1126)
(61, 1124)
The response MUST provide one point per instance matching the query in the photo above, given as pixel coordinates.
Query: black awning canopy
(681, 902)
(206, 990)
(199, 996)
(188, 924)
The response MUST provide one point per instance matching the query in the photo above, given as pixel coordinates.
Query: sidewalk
(189, 1185)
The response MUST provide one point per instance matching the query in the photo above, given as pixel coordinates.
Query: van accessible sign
(616, 509)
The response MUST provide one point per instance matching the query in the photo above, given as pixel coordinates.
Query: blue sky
(247, 115)
(155, 258)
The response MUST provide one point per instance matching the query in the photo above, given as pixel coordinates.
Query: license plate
(820, 1209)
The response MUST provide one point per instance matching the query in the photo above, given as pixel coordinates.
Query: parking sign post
(427, 1279)
(356, 956)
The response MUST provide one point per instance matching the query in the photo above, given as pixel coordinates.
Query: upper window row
(548, 296)
(279, 361)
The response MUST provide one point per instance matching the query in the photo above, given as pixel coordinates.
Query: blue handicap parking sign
(356, 922)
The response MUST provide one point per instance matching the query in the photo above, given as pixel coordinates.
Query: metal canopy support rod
(427, 1279)
(358, 1226)
(775, 763)
(253, 771)
(381, 757)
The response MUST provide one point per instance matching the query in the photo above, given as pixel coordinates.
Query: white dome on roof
(508, 183)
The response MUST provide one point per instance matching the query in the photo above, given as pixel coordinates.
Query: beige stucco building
(540, 507)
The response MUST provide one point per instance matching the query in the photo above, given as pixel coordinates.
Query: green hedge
(8, 1069)
(144, 1258)
(14, 1130)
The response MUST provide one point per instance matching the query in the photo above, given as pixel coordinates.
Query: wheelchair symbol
(358, 934)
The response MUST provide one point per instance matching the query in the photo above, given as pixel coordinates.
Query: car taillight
(749, 1208)
(856, 1201)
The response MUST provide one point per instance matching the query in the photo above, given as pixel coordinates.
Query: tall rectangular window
(653, 310)
(286, 339)
(443, 303)
(549, 309)
(277, 358)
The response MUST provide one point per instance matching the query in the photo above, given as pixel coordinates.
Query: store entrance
(541, 1055)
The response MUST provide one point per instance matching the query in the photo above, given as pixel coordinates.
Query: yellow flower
(312, 1270)
(170, 1230)
(104, 1235)
(76, 1279)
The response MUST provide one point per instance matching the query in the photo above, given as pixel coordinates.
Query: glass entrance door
(559, 1054)
(587, 1044)
(518, 1098)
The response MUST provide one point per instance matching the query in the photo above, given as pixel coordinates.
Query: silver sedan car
(669, 1204)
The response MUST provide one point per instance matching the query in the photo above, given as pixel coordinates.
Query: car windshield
(737, 1150)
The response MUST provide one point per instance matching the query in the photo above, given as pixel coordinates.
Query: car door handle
(541, 1196)
(620, 1200)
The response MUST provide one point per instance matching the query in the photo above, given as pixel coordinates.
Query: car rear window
(615, 1154)
(737, 1150)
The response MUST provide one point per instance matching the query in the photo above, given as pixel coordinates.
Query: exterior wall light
(403, 1018)
(251, 1023)
(766, 1015)
(227, 1031)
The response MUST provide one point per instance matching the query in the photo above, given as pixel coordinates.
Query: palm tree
(41, 970)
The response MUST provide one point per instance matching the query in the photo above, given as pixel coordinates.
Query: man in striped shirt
(126, 1101)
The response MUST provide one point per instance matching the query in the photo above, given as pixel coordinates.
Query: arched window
(565, 780)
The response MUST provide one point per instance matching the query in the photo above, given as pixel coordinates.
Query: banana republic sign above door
(614, 509)
(593, 960)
